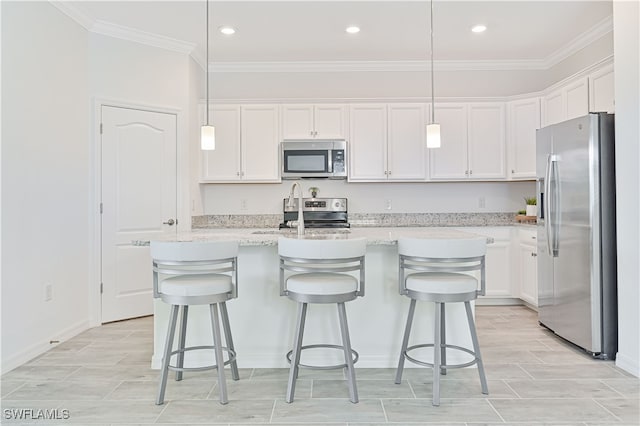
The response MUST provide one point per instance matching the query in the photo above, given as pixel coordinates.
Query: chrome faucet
(290, 203)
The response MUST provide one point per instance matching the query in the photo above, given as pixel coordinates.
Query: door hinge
(100, 128)
(101, 288)
(101, 208)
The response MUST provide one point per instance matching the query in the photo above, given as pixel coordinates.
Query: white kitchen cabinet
(523, 120)
(322, 121)
(497, 261)
(566, 102)
(247, 145)
(487, 150)
(367, 142)
(527, 267)
(601, 90)
(450, 161)
(387, 142)
(473, 142)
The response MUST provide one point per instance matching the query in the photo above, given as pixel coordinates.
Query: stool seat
(322, 283)
(441, 283)
(196, 285)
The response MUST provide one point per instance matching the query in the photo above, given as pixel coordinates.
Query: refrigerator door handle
(547, 206)
(553, 201)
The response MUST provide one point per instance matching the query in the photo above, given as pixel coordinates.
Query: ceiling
(313, 31)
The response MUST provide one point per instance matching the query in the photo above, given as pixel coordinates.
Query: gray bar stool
(196, 273)
(433, 270)
(321, 271)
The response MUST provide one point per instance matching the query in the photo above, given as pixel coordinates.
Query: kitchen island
(262, 322)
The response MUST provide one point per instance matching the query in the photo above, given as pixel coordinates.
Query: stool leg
(227, 337)
(168, 346)
(217, 343)
(443, 340)
(405, 341)
(436, 356)
(476, 348)
(181, 340)
(295, 356)
(348, 356)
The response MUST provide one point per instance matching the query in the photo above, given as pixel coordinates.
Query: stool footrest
(430, 364)
(231, 352)
(356, 356)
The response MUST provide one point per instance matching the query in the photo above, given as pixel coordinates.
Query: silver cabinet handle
(170, 222)
(470, 172)
(512, 171)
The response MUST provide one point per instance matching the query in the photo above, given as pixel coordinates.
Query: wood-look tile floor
(103, 377)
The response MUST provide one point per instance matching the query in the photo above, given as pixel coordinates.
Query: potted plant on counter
(531, 209)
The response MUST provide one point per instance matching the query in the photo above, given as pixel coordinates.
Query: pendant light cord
(433, 112)
(206, 66)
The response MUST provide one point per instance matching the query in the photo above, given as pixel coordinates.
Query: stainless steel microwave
(307, 159)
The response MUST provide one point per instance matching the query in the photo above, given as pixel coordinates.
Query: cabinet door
(330, 122)
(450, 160)
(524, 119)
(497, 269)
(406, 152)
(297, 122)
(577, 98)
(260, 143)
(223, 164)
(553, 109)
(367, 142)
(487, 152)
(528, 274)
(601, 90)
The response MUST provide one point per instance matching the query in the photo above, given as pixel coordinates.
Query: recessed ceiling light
(479, 28)
(227, 30)
(353, 30)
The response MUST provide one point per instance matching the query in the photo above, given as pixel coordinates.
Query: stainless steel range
(317, 212)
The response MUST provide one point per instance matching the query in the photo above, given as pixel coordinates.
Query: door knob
(169, 222)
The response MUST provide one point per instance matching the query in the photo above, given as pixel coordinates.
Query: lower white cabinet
(527, 266)
(497, 260)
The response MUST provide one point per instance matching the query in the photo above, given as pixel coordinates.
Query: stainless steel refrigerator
(577, 288)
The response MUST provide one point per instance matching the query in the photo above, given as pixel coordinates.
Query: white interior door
(138, 203)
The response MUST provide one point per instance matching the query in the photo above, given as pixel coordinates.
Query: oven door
(306, 163)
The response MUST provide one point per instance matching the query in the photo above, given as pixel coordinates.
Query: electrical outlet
(243, 204)
(48, 292)
(482, 202)
(388, 205)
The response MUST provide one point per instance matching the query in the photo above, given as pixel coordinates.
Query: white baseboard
(628, 364)
(39, 348)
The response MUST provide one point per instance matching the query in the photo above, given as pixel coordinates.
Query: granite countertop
(374, 236)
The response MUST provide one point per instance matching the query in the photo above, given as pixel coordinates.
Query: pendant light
(433, 128)
(207, 132)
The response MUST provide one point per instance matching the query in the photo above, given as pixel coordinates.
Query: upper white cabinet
(450, 161)
(247, 144)
(524, 119)
(566, 102)
(322, 121)
(387, 142)
(487, 128)
(473, 142)
(601, 90)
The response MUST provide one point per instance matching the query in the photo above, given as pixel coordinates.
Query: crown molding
(583, 40)
(142, 37)
(374, 66)
(72, 12)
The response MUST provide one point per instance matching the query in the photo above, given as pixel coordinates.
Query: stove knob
(337, 204)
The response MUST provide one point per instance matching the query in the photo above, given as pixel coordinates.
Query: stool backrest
(327, 255)
(441, 255)
(174, 258)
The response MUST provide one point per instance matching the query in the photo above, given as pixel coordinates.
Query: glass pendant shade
(208, 138)
(433, 135)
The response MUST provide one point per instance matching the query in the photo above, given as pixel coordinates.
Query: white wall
(430, 197)
(45, 179)
(626, 19)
